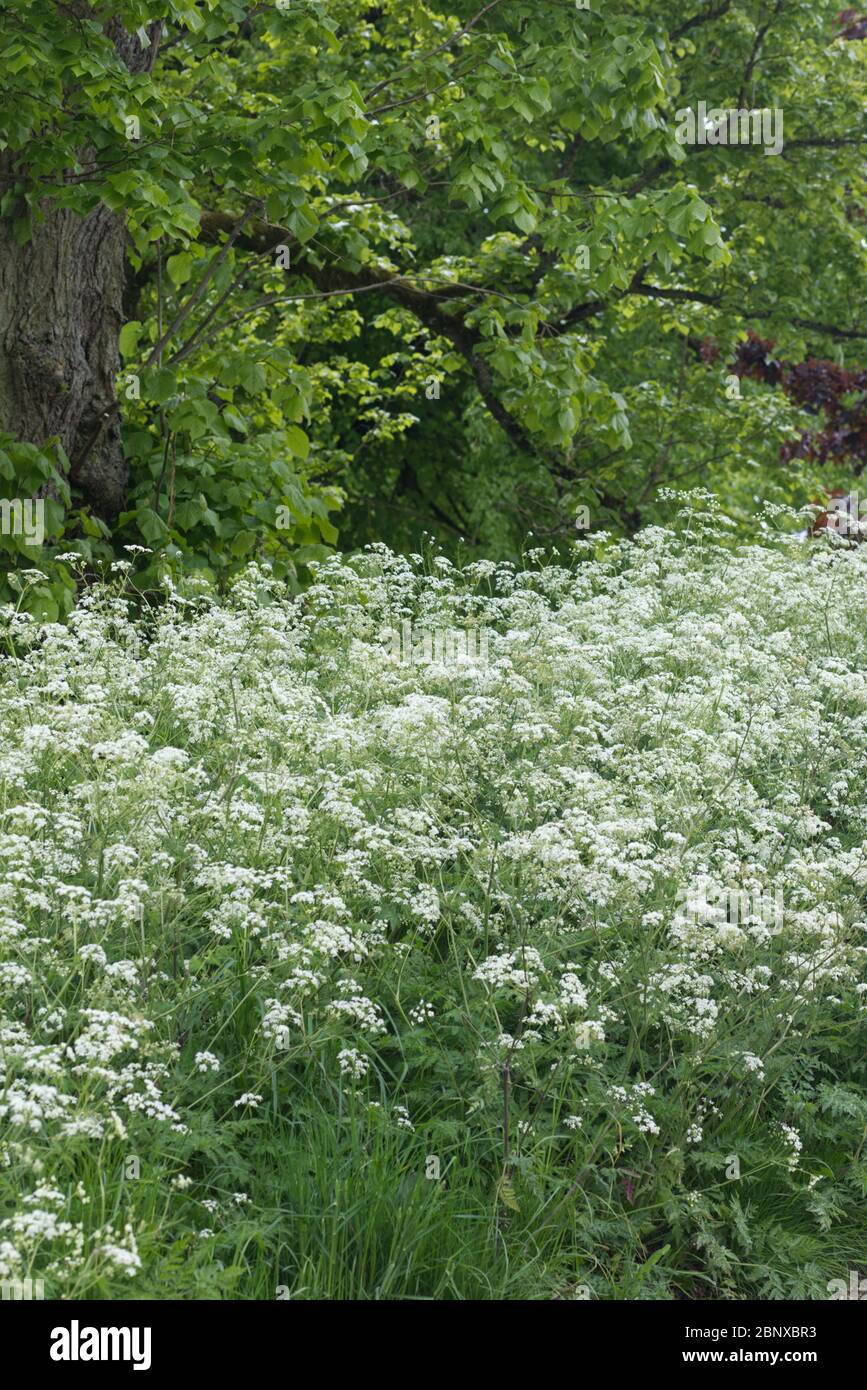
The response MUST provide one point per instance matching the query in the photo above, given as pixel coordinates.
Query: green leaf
(161, 385)
(180, 267)
(297, 440)
(129, 336)
(151, 526)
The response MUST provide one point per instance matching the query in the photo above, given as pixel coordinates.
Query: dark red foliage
(816, 385)
(852, 25)
(753, 359)
(820, 388)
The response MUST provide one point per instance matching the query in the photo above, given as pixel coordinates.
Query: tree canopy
(406, 267)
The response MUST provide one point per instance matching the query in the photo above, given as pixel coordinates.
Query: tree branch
(754, 53)
(424, 304)
(423, 57)
(715, 302)
(706, 18)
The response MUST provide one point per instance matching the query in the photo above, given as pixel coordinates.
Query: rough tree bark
(61, 313)
(60, 316)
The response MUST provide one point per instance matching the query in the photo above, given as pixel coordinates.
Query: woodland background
(281, 278)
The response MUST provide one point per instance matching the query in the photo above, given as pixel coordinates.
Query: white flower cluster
(511, 969)
(242, 849)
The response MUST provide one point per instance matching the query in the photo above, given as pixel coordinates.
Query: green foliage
(46, 591)
(512, 185)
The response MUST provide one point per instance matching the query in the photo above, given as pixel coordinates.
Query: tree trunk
(61, 312)
(60, 316)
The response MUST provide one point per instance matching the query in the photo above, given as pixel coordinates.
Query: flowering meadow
(333, 973)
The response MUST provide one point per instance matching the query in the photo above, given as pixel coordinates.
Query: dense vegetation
(419, 404)
(282, 274)
(394, 991)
